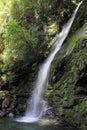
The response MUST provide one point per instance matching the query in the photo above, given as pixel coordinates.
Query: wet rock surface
(68, 94)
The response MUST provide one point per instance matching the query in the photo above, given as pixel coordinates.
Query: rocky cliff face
(67, 90)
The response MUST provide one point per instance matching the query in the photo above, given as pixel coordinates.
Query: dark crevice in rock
(82, 81)
(60, 69)
(82, 92)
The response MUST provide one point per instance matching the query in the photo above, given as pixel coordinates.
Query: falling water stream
(34, 111)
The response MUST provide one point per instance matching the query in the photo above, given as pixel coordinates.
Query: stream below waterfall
(9, 124)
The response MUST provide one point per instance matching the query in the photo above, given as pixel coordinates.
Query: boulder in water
(2, 113)
(11, 115)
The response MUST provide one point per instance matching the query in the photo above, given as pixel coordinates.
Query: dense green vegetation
(28, 28)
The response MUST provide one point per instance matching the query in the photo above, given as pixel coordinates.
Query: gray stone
(11, 115)
(2, 113)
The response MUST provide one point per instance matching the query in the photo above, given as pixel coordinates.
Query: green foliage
(79, 34)
(24, 11)
(4, 13)
(30, 26)
(17, 36)
(2, 94)
(19, 42)
(23, 38)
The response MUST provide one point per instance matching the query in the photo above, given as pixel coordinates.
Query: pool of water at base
(10, 124)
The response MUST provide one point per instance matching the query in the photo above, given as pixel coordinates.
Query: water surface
(6, 124)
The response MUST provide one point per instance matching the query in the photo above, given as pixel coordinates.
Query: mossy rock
(69, 91)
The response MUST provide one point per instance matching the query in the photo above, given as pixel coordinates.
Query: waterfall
(33, 112)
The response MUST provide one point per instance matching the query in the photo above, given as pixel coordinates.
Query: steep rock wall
(67, 91)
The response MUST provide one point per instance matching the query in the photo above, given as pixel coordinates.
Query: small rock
(11, 115)
(2, 113)
(49, 114)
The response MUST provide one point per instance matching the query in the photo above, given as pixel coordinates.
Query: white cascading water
(34, 110)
